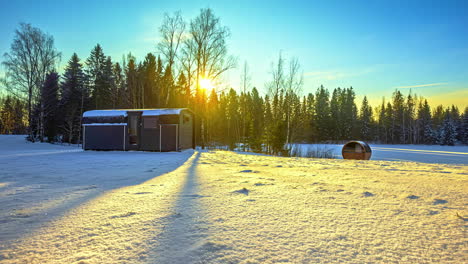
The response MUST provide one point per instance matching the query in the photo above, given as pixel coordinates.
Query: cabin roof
(124, 112)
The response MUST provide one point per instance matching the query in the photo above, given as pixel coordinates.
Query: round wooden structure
(358, 150)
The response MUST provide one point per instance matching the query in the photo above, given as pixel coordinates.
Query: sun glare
(206, 83)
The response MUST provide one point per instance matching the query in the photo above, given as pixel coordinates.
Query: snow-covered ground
(59, 204)
(417, 153)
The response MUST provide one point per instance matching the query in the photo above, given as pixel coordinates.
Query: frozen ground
(70, 206)
(417, 153)
(40, 181)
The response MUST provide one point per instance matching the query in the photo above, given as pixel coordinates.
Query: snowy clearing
(63, 205)
(416, 153)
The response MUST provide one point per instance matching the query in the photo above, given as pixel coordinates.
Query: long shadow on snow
(184, 239)
(54, 191)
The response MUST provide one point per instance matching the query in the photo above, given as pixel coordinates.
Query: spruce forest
(47, 104)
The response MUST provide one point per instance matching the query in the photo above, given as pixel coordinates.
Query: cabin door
(134, 123)
(168, 139)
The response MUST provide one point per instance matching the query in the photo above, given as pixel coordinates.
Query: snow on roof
(158, 112)
(124, 112)
(105, 124)
(98, 113)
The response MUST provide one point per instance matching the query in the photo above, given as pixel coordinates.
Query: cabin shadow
(74, 184)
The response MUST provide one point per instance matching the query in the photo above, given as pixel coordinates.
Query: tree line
(48, 106)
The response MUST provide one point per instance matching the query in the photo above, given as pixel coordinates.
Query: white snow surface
(59, 204)
(417, 153)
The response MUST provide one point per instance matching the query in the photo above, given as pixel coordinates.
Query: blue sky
(374, 46)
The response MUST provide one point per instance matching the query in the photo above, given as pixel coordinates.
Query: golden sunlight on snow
(224, 207)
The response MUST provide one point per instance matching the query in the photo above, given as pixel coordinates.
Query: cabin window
(150, 122)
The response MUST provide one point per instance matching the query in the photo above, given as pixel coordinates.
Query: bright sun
(206, 83)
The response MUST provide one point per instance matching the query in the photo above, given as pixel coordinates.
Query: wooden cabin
(169, 129)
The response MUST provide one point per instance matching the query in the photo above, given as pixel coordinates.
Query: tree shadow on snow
(185, 235)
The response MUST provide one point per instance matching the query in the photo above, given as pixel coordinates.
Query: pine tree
(322, 113)
(97, 71)
(398, 122)
(424, 124)
(7, 121)
(118, 90)
(150, 85)
(268, 133)
(131, 77)
(75, 99)
(167, 85)
(365, 119)
(47, 108)
(447, 132)
(349, 108)
(410, 127)
(18, 116)
(336, 118)
(464, 129)
(311, 128)
(381, 125)
(257, 122)
(184, 95)
(457, 121)
(389, 123)
(213, 119)
(233, 119)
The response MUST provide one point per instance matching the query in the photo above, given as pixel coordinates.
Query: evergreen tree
(184, 95)
(349, 109)
(97, 71)
(438, 116)
(409, 120)
(18, 116)
(365, 119)
(167, 88)
(311, 127)
(233, 119)
(464, 129)
(75, 99)
(119, 99)
(7, 121)
(151, 79)
(47, 108)
(381, 125)
(447, 132)
(257, 121)
(389, 123)
(213, 119)
(398, 122)
(424, 124)
(131, 76)
(336, 118)
(322, 113)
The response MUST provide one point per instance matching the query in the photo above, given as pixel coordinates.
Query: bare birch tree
(210, 53)
(293, 86)
(172, 31)
(32, 55)
(245, 84)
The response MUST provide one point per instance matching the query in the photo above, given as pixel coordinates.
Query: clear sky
(375, 46)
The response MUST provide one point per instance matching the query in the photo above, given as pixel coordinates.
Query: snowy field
(417, 153)
(59, 204)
